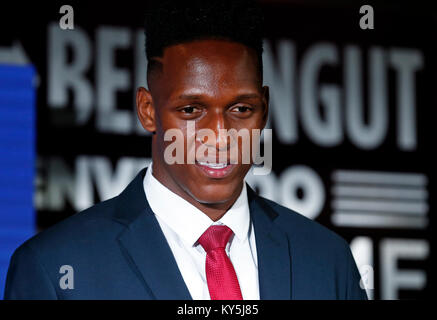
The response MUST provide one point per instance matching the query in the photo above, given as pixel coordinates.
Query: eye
(242, 109)
(189, 110)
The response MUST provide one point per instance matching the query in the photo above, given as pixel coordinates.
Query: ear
(145, 109)
(266, 97)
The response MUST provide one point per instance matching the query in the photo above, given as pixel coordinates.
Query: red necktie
(220, 274)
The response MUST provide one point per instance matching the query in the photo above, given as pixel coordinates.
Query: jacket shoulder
(86, 227)
(319, 256)
(303, 229)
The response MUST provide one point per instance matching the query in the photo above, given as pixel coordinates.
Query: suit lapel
(145, 246)
(272, 246)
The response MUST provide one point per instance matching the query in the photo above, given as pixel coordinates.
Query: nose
(217, 123)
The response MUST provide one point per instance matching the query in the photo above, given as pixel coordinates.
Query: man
(191, 230)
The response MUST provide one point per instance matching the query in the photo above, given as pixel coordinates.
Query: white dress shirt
(183, 224)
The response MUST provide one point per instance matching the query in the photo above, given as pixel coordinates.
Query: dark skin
(215, 83)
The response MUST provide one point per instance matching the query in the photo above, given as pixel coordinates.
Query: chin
(211, 193)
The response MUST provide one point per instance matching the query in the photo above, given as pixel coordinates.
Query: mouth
(215, 170)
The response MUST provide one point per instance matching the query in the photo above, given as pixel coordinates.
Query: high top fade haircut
(170, 22)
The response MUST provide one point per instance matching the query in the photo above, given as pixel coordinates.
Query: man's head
(205, 65)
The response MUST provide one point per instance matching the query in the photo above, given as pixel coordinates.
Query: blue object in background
(17, 160)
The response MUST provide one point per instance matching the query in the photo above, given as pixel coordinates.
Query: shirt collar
(188, 222)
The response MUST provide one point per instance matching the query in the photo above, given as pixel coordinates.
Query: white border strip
(417, 208)
(379, 192)
(374, 177)
(347, 219)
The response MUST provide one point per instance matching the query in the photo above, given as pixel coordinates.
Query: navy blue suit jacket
(118, 251)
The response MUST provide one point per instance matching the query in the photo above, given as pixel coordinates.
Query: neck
(213, 210)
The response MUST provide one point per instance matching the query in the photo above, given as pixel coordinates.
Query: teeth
(213, 165)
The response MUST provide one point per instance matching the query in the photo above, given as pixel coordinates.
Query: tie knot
(216, 236)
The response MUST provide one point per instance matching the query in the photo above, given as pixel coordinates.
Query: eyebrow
(239, 97)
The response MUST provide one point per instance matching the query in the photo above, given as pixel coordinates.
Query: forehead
(212, 65)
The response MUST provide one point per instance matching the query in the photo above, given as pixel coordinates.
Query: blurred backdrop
(353, 113)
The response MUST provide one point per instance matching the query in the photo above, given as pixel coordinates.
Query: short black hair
(170, 22)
